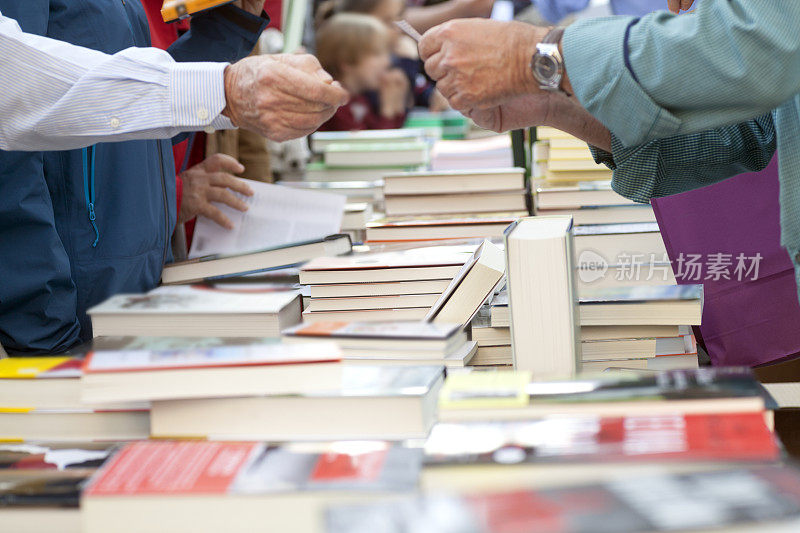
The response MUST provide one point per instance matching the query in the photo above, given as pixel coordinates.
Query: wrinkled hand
(282, 96)
(478, 63)
(212, 181)
(519, 112)
(677, 5)
(251, 6)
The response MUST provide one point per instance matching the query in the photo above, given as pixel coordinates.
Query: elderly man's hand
(212, 180)
(519, 112)
(282, 96)
(480, 64)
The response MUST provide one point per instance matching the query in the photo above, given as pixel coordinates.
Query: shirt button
(202, 113)
(114, 123)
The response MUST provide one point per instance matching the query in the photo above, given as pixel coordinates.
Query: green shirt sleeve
(680, 163)
(665, 75)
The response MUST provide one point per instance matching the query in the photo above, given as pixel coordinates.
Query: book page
(276, 216)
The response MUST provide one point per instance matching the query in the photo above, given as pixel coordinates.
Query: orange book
(173, 10)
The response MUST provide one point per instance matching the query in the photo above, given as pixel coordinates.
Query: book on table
(756, 498)
(592, 215)
(144, 369)
(415, 264)
(198, 311)
(542, 302)
(398, 229)
(454, 204)
(378, 154)
(647, 306)
(275, 216)
(367, 315)
(470, 288)
(425, 182)
(372, 402)
(238, 486)
(322, 139)
(511, 395)
(386, 288)
(400, 339)
(220, 266)
(40, 399)
(589, 448)
(642, 305)
(594, 193)
(48, 383)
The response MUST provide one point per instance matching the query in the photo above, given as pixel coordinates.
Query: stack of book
(235, 310)
(766, 498)
(391, 343)
(449, 124)
(321, 140)
(356, 218)
(41, 483)
(493, 151)
(240, 487)
(589, 202)
(609, 255)
(267, 391)
(384, 286)
(463, 192)
(40, 400)
(640, 327)
(559, 157)
(628, 327)
(427, 228)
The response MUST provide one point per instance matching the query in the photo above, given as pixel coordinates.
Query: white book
(183, 310)
(374, 155)
(322, 139)
(545, 328)
(276, 216)
(470, 288)
(454, 181)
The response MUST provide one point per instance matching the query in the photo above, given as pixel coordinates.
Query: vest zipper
(164, 197)
(88, 189)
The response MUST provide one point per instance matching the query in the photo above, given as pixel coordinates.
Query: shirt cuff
(605, 85)
(197, 95)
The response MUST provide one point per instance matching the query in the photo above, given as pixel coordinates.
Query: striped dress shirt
(57, 96)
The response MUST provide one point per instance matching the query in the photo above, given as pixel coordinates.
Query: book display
(413, 334)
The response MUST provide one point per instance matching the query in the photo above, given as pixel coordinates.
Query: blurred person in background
(405, 55)
(354, 48)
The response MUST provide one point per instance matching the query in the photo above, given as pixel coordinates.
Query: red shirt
(360, 113)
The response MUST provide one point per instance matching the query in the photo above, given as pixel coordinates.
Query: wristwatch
(547, 64)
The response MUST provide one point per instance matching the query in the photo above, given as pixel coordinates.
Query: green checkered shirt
(679, 94)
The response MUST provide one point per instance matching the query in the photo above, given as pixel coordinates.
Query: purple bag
(727, 237)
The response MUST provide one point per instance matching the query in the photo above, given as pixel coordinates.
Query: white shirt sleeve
(57, 96)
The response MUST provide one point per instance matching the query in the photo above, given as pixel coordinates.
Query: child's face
(369, 71)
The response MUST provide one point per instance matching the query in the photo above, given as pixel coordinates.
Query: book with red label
(745, 499)
(156, 369)
(228, 486)
(702, 437)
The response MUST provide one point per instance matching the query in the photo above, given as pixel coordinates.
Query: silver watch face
(546, 69)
